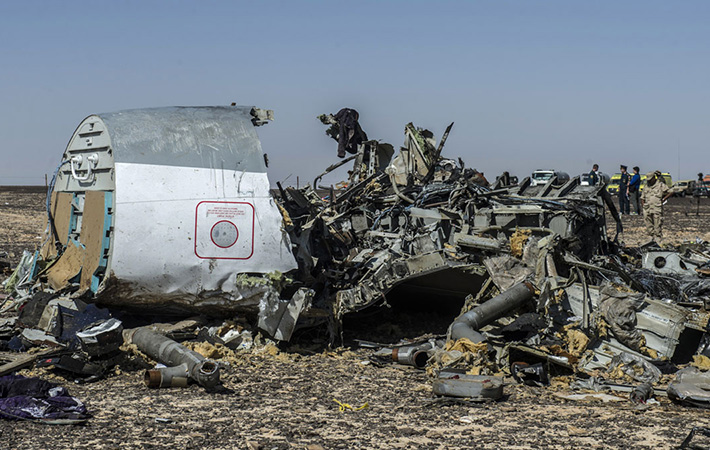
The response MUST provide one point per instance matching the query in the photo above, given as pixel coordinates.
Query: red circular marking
(236, 230)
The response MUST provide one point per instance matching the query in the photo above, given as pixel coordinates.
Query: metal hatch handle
(92, 159)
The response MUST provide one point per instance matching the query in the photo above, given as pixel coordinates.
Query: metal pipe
(641, 393)
(500, 228)
(331, 168)
(167, 377)
(164, 350)
(396, 189)
(468, 324)
(415, 355)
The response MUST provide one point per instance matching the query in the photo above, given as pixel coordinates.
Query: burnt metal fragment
(181, 361)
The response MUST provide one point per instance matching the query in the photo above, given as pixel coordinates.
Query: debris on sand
(546, 291)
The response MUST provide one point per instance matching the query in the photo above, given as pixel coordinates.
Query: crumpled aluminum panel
(219, 137)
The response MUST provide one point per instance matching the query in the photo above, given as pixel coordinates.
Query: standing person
(624, 191)
(634, 194)
(594, 175)
(654, 194)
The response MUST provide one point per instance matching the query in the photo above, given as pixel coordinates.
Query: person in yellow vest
(654, 194)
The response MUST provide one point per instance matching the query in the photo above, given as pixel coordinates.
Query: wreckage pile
(546, 292)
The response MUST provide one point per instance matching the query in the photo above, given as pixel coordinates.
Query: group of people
(654, 194)
(629, 191)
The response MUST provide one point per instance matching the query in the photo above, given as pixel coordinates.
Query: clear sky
(529, 84)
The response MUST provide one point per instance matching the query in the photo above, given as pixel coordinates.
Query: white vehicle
(541, 176)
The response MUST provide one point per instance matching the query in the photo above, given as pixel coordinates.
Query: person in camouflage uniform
(654, 194)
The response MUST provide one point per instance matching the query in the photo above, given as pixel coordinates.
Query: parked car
(613, 186)
(668, 179)
(683, 187)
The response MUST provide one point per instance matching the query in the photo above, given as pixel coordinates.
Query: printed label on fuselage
(224, 230)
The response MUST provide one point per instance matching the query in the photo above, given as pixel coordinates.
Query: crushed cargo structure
(427, 223)
(540, 257)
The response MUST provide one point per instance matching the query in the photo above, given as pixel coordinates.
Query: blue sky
(550, 84)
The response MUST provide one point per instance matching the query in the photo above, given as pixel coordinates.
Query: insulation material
(518, 241)
(67, 266)
(701, 362)
(576, 342)
(61, 210)
(92, 234)
(619, 312)
(506, 271)
(659, 323)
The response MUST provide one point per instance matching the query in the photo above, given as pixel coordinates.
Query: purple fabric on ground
(33, 398)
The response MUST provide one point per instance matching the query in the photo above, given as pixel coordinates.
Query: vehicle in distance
(683, 187)
(613, 186)
(542, 176)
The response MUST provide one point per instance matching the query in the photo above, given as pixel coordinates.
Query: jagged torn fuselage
(167, 206)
